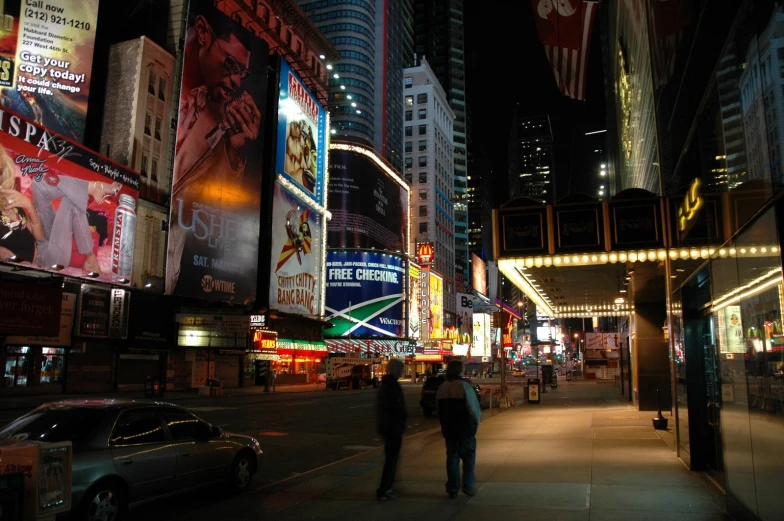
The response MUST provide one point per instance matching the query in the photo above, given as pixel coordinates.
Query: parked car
(127, 451)
(429, 389)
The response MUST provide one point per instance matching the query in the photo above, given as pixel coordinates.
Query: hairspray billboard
(365, 294)
(216, 187)
(368, 200)
(46, 59)
(301, 146)
(296, 251)
(414, 319)
(64, 208)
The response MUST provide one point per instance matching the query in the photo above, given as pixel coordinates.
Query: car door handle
(127, 461)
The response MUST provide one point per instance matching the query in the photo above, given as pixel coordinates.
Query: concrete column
(651, 366)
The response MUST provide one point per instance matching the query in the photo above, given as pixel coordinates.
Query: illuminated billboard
(465, 314)
(482, 335)
(414, 319)
(46, 59)
(64, 208)
(296, 253)
(478, 274)
(302, 139)
(436, 316)
(365, 294)
(216, 187)
(368, 200)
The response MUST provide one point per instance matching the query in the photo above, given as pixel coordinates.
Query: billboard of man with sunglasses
(216, 190)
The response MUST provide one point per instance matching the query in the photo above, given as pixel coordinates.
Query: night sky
(506, 64)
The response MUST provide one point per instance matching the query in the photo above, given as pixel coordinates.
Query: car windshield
(74, 424)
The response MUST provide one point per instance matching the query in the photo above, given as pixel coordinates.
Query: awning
(379, 345)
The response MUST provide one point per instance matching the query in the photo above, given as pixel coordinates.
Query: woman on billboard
(20, 225)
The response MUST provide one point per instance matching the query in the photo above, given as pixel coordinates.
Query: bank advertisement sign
(64, 208)
(369, 207)
(296, 255)
(414, 318)
(436, 316)
(302, 140)
(465, 314)
(216, 187)
(46, 59)
(365, 294)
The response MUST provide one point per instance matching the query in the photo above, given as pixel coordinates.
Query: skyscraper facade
(375, 41)
(531, 169)
(480, 203)
(429, 160)
(439, 35)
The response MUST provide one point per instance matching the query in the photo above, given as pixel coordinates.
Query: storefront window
(16, 368)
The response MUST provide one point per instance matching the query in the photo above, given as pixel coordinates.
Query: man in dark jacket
(391, 424)
(459, 412)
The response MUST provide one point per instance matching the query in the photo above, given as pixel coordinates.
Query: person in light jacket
(459, 413)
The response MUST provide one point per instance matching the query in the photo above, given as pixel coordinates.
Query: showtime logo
(208, 285)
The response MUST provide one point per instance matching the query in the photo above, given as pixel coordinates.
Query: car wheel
(428, 411)
(104, 502)
(241, 474)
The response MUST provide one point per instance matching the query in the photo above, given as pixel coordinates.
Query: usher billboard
(369, 204)
(216, 189)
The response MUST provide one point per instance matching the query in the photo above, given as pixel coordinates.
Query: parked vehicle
(129, 451)
(352, 372)
(429, 389)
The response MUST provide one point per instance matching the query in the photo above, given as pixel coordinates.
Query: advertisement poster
(369, 207)
(731, 329)
(296, 250)
(414, 320)
(365, 294)
(481, 335)
(64, 208)
(216, 190)
(66, 326)
(302, 139)
(102, 312)
(46, 60)
(478, 274)
(600, 346)
(465, 314)
(436, 322)
(30, 309)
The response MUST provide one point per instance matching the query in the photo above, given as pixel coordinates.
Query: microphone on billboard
(215, 135)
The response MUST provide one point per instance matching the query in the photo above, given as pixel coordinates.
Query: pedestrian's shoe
(452, 495)
(469, 491)
(388, 495)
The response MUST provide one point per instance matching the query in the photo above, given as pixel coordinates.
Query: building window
(154, 171)
(422, 130)
(423, 194)
(409, 82)
(409, 115)
(422, 160)
(422, 145)
(152, 80)
(422, 227)
(409, 146)
(422, 113)
(409, 162)
(145, 160)
(409, 101)
(422, 98)
(148, 124)
(422, 177)
(409, 131)
(158, 124)
(423, 211)
(162, 89)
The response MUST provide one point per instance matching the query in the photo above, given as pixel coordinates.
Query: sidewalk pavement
(581, 454)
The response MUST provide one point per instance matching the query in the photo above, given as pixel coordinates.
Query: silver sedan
(131, 451)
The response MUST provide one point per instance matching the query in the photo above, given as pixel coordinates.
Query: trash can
(152, 387)
(568, 375)
(554, 382)
(532, 390)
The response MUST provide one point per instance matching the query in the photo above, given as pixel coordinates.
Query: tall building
(531, 171)
(480, 203)
(588, 165)
(734, 170)
(375, 41)
(429, 160)
(439, 36)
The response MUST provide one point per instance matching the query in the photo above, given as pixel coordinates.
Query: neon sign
(687, 211)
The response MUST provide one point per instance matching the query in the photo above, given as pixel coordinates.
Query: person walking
(391, 419)
(273, 374)
(459, 413)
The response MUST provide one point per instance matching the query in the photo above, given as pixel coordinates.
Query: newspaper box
(47, 471)
(532, 390)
